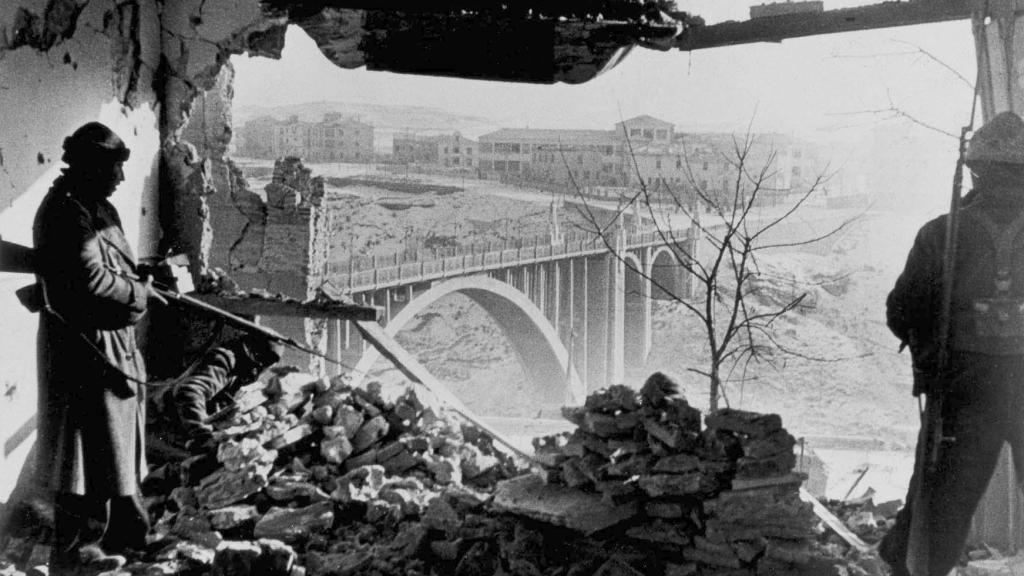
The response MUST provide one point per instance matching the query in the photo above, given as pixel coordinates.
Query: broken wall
(62, 64)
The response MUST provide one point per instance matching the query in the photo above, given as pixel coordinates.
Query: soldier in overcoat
(91, 371)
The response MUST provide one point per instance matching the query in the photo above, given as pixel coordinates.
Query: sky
(837, 85)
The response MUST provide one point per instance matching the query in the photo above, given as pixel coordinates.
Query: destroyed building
(157, 72)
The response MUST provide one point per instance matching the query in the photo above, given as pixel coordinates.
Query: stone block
(336, 450)
(291, 524)
(778, 465)
(369, 433)
(657, 485)
(677, 464)
(232, 516)
(777, 442)
(236, 559)
(751, 424)
(349, 418)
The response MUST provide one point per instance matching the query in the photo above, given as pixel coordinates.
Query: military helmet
(1000, 140)
(94, 142)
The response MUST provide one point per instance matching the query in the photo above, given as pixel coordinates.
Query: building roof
(645, 119)
(551, 136)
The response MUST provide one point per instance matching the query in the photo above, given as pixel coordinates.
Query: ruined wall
(62, 64)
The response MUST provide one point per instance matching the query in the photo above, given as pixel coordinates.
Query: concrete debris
(324, 479)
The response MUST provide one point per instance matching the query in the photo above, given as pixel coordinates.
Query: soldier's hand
(151, 291)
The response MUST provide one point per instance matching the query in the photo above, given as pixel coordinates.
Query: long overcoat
(91, 412)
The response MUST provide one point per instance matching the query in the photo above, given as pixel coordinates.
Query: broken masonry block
(574, 414)
(791, 552)
(412, 540)
(612, 399)
(778, 465)
(291, 524)
(657, 390)
(369, 433)
(349, 418)
(777, 442)
(223, 488)
(657, 485)
(232, 516)
(679, 412)
(336, 450)
(389, 450)
(636, 465)
(749, 551)
(572, 475)
(615, 493)
(190, 552)
(793, 479)
(323, 415)
(291, 438)
(670, 435)
(677, 464)
(661, 532)
(236, 559)
(719, 445)
(400, 463)
(283, 489)
(184, 497)
(743, 422)
(610, 425)
(344, 563)
(664, 509)
(277, 558)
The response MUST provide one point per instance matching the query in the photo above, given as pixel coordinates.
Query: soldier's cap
(94, 142)
(262, 350)
(1000, 140)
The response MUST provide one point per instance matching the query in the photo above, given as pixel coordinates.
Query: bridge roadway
(577, 315)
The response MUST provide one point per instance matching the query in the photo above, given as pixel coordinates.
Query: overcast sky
(839, 84)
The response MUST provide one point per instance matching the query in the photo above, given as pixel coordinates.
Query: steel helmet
(94, 142)
(1000, 140)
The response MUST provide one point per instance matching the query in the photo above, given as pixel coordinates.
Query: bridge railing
(408, 266)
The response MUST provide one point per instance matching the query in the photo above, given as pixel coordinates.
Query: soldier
(982, 390)
(91, 373)
(212, 385)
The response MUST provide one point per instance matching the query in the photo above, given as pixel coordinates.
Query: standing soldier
(91, 374)
(982, 387)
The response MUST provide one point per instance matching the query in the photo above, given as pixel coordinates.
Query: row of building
(602, 162)
(335, 138)
(593, 162)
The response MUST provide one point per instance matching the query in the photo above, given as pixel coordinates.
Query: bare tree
(738, 330)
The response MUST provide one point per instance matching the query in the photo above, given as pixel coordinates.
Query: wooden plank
(779, 28)
(406, 363)
(251, 306)
(834, 523)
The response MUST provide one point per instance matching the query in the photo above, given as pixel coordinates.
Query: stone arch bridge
(577, 316)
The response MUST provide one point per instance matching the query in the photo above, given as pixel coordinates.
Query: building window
(455, 150)
(634, 132)
(455, 161)
(513, 166)
(500, 165)
(485, 164)
(657, 164)
(649, 134)
(486, 147)
(705, 165)
(796, 171)
(662, 134)
(469, 151)
(679, 163)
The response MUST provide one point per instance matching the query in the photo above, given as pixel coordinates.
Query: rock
(188, 551)
(615, 566)
(284, 489)
(336, 450)
(778, 465)
(744, 422)
(657, 485)
(323, 415)
(369, 433)
(232, 516)
(688, 569)
(236, 559)
(479, 560)
(677, 464)
(184, 497)
(277, 558)
(412, 540)
(223, 488)
(290, 524)
(189, 522)
(345, 564)
(777, 442)
(527, 495)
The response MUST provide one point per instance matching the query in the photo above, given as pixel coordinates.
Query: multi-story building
(444, 150)
(649, 150)
(334, 139)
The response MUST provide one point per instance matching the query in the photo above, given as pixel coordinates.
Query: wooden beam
(834, 523)
(779, 28)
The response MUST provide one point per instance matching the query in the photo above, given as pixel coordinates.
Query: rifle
(930, 441)
(21, 259)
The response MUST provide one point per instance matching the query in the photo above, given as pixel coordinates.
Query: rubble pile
(313, 477)
(719, 499)
(868, 519)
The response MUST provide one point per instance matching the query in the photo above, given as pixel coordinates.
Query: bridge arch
(665, 273)
(541, 353)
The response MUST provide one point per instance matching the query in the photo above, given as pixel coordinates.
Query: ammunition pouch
(998, 317)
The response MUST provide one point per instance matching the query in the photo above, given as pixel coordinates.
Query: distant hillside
(387, 120)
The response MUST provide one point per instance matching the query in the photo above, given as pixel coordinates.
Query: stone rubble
(320, 479)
